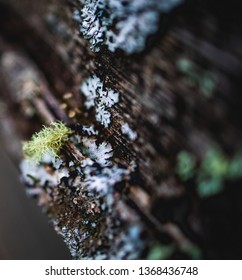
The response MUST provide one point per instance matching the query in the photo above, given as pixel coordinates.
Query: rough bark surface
(153, 167)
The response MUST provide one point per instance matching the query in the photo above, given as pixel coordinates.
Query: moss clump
(48, 141)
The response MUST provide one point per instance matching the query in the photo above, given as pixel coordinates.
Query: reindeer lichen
(48, 141)
(127, 130)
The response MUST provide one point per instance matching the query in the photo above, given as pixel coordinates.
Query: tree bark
(152, 169)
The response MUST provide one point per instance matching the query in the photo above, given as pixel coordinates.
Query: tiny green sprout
(48, 141)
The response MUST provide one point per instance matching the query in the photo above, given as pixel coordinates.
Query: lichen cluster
(82, 201)
(127, 130)
(99, 97)
(121, 24)
(48, 141)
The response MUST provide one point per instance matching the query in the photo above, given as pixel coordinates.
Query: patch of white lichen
(99, 97)
(129, 132)
(120, 24)
(85, 191)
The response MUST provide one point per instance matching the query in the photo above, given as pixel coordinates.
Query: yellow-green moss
(48, 141)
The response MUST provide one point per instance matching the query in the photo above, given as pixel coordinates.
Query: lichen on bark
(124, 25)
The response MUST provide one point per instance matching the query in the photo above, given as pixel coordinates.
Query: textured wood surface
(181, 93)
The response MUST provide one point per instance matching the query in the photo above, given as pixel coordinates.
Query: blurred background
(24, 231)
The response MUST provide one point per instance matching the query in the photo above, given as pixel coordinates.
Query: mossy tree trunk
(153, 168)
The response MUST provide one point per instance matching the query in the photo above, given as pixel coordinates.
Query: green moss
(160, 252)
(48, 141)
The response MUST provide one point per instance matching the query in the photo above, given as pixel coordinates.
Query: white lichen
(32, 173)
(57, 163)
(104, 181)
(97, 180)
(103, 116)
(126, 129)
(76, 15)
(129, 243)
(104, 176)
(89, 129)
(49, 158)
(99, 97)
(121, 24)
(99, 153)
(132, 32)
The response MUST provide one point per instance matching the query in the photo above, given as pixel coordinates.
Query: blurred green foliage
(211, 173)
(204, 80)
(160, 252)
(194, 252)
(185, 165)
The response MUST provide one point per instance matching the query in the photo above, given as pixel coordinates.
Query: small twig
(42, 110)
(75, 152)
